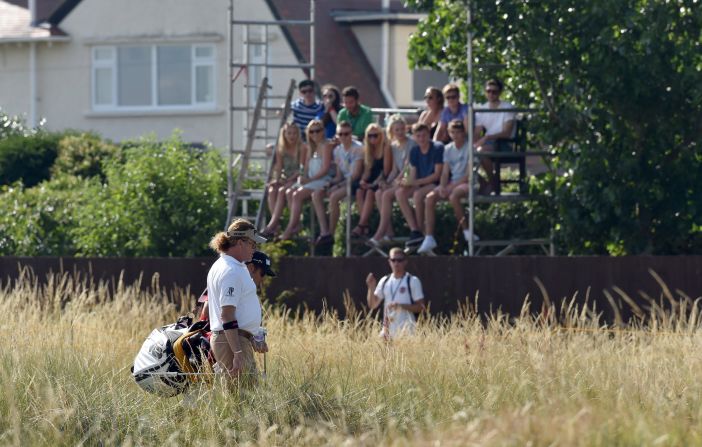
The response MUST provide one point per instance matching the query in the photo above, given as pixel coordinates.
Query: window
(147, 77)
(421, 79)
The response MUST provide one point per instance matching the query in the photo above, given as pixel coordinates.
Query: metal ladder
(258, 116)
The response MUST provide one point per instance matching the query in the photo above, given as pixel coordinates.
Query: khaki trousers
(225, 357)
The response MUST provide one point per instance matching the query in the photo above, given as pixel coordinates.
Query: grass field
(559, 380)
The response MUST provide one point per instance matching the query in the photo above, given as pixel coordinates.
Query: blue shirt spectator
(425, 163)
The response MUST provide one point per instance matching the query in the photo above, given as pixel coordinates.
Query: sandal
(360, 231)
(324, 240)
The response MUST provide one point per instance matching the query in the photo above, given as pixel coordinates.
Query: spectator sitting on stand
(431, 116)
(426, 162)
(348, 158)
(377, 163)
(290, 153)
(305, 108)
(493, 126)
(331, 98)
(315, 177)
(454, 110)
(355, 113)
(400, 144)
(453, 186)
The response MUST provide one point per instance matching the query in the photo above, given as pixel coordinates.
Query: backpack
(170, 355)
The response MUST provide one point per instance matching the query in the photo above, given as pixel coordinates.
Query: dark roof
(340, 60)
(15, 26)
(46, 9)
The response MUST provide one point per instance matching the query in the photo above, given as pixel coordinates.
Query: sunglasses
(452, 97)
(329, 95)
(304, 91)
(397, 259)
(373, 135)
(428, 97)
(491, 91)
(343, 134)
(313, 131)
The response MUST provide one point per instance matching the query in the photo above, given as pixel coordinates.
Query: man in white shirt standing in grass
(402, 293)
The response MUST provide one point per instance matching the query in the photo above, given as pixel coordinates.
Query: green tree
(163, 199)
(619, 87)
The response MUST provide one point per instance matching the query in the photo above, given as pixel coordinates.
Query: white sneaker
(466, 236)
(428, 244)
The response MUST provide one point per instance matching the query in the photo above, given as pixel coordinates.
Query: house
(135, 67)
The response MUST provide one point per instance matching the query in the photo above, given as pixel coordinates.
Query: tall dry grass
(557, 378)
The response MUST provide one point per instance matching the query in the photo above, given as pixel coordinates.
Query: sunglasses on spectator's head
(397, 259)
(306, 90)
(317, 130)
(451, 96)
(343, 134)
(373, 135)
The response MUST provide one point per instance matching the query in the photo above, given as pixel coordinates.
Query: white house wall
(64, 69)
(400, 78)
(14, 78)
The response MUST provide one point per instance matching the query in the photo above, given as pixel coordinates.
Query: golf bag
(171, 356)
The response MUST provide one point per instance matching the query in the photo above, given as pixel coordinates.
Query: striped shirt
(303, 114)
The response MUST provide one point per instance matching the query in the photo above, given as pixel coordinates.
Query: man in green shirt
(354, 112)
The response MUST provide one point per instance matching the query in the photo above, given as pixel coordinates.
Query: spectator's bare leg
(318, 202)
(299, 197)
(271, 198)
(457, 194)
(402, 195)
(418, 199)
(278, 208)
(430, 212)
(367, 207)
(334, 199)
(385, 208)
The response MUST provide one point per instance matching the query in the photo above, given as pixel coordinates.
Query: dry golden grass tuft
(560, 378)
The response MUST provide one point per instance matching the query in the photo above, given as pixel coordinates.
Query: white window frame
(154, 106)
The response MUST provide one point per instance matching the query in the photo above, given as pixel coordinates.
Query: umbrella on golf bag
(171, 357)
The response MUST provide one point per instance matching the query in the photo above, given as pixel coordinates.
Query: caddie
(233, 305)
(402, 293)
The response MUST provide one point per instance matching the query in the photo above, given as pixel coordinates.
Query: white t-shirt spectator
(345, 160)
(494, 122)
(456, 159)
(395, 290)
(229, 284)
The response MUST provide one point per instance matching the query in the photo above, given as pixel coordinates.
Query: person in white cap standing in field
(234, 307)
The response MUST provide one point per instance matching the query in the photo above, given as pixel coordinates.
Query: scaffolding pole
(471, 137)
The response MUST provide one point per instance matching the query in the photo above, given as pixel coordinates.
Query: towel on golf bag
(170, 354)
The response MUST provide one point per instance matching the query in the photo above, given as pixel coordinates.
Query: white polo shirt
(394, 290)
(229, 284)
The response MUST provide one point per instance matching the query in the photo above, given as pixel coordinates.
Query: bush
(84, 155)
(165, 199)
(38, 221)
(27, 158)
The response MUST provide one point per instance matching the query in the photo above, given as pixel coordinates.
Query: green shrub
(38, 221)
(164, 199)
(84, 154)
(27, 158)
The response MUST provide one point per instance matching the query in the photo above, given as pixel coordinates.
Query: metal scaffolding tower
(258, 114)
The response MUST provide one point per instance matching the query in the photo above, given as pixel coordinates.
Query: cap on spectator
(262, 260)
